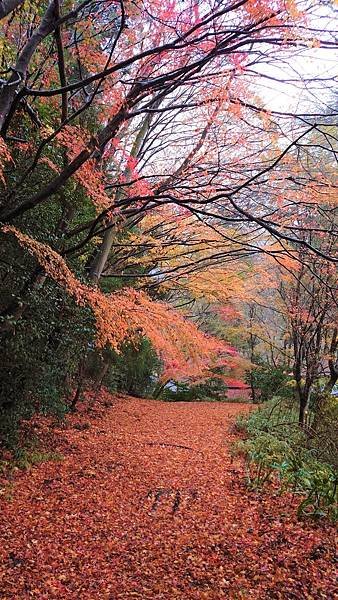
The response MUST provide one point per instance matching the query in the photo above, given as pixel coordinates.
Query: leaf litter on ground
(148, 502)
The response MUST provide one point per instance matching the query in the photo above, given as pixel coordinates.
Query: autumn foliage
(185, 350)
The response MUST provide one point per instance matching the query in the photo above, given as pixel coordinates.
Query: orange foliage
(184, 349)
(51, 262)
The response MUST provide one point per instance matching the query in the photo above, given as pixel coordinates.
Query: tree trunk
(101, 259)
(302, 410)
(254, 397)
(102, 375)
(17, 79)
(77, 395)
(304, 398)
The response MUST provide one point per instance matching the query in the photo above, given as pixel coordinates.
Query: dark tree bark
(7, 6)
(17, 79)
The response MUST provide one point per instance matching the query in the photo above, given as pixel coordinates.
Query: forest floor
(147, 503)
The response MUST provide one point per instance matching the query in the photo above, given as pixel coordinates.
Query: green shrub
(134, 370)
(39, 361)
(270, 381)
(277, 449)
(30, 458)
(212, 388)
(44, 333)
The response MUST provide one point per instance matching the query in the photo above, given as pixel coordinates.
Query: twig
(169, 445)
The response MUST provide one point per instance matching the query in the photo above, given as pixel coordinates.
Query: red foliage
(89, 176)
(236, 384)
(147, 503)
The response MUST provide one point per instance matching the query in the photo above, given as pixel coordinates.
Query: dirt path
(148, 504)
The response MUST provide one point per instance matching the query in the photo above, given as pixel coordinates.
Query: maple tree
(310, 311)
(297, 300)
(184, 349)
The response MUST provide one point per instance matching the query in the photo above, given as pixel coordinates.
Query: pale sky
(304, 64)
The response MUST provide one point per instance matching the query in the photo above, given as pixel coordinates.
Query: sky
(316, 68)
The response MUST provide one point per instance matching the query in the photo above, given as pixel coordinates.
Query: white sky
(305, 64)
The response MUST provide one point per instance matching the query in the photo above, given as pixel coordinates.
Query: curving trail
(147, 504)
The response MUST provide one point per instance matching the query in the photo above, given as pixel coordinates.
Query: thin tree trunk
(302, 410)
(253, 390)
(160, 389)
(102, 375)
(101, 258)
(80, 385)
(17, 79)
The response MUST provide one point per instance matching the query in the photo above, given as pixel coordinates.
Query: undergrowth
(298, 460)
